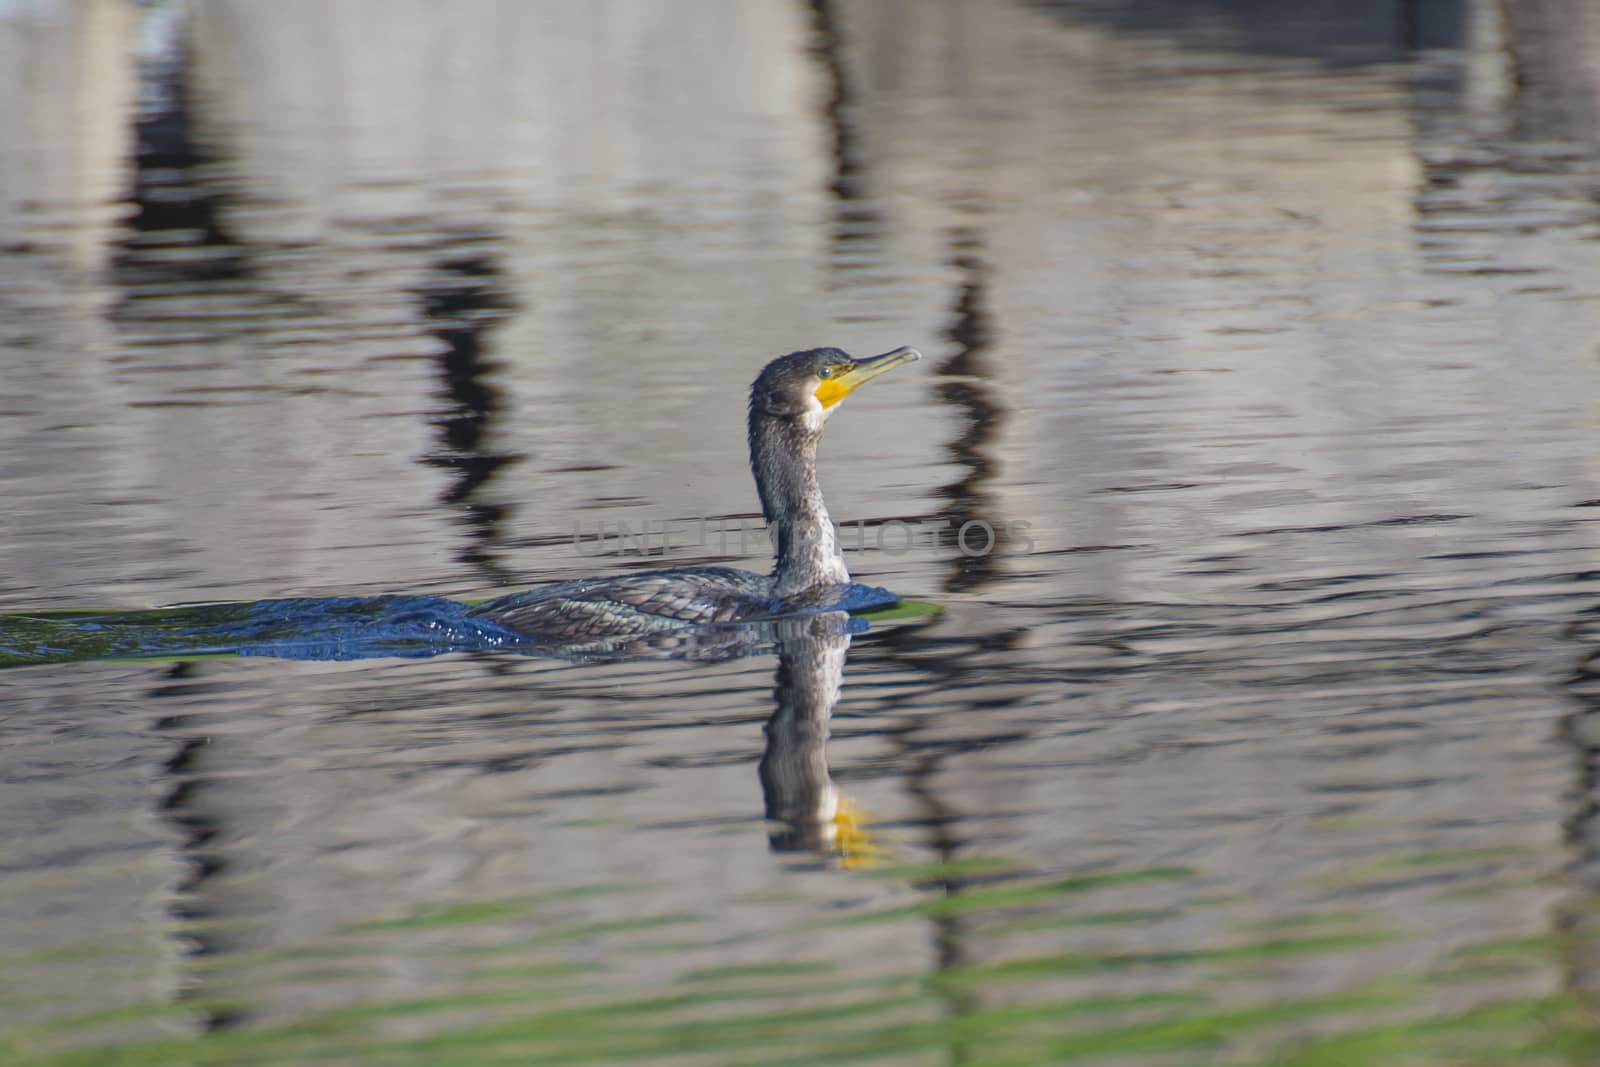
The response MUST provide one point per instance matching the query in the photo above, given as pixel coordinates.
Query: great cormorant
(789, 403)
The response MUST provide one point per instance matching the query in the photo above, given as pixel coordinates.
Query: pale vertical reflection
(66, 84)
(66, 92)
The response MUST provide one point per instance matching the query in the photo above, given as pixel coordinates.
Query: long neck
(783, 456)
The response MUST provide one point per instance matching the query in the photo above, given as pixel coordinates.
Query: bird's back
(632, 605)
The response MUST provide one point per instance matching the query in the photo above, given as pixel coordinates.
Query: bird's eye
(825, 373)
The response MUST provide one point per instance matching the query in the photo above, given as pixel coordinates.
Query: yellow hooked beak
(832, 390)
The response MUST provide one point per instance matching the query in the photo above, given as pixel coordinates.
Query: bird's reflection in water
(807, 811)
(805, 808)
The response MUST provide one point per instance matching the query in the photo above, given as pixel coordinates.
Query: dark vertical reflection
(176, 232)
(1578, 922)
(967, 500)
(1554, 88)
(176, 237)
(857, 223)
(950, 947)
(182, 806)
(970, 503)
(460, 305)
(1552, 45)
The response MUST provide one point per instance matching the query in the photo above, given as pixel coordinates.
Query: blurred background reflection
(1262, 334)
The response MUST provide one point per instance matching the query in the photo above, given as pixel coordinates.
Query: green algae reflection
(513, 983)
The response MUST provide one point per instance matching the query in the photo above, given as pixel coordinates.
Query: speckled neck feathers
(783, 457)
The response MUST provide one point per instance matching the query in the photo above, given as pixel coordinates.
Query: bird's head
(808, 386)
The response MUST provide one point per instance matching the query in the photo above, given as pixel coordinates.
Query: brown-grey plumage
(790, 402)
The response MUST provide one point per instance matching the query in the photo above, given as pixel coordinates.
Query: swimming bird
(791, 400)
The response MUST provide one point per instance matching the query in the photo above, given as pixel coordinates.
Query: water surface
(1264, 340)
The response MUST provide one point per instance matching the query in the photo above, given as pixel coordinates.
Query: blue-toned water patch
(351, 628)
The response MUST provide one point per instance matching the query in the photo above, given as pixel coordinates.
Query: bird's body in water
(790, 402)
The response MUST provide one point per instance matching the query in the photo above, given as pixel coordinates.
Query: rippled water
(1263, 339)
